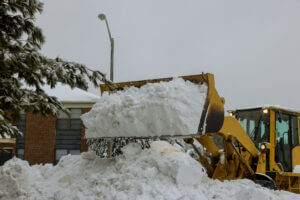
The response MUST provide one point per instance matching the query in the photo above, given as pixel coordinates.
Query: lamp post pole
(112, 44)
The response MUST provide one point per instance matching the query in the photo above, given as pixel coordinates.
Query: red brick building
(46, 139)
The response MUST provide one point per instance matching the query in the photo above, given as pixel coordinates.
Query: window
(74, 152)
(256, 124)
(20, 143)
(287, 134)
(295, 136)
(20, 153)
(68, 133)
(62, 152)
(66, 122)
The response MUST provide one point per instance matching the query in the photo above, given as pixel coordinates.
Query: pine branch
(24, 70)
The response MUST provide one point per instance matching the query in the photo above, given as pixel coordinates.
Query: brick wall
(84, 146)
(40, 139)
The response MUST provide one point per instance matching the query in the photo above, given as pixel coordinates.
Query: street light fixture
(112, 44)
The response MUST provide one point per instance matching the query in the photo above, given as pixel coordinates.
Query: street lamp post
(112, 44)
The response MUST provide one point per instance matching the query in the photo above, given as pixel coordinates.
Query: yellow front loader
(259, 143)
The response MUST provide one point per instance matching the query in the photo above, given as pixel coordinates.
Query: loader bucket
(212, 116)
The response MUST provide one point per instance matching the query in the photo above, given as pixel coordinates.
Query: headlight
(265, 111)
(263, 147)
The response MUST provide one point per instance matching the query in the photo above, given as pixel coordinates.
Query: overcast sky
(252, 46)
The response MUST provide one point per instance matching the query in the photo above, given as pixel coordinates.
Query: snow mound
(161, 172)
(297, 169)
(155, 109)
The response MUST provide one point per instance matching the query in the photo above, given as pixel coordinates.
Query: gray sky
(252, 46)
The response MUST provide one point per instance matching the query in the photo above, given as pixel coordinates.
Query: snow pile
(297, 169)
(161, 172)
(155, 109)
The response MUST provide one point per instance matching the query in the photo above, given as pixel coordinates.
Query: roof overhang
(7, 141)
(78, 104)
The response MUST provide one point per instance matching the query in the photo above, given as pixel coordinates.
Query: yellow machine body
(259, 143)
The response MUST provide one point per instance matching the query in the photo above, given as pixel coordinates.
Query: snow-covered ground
(161, 172)
(165, 108)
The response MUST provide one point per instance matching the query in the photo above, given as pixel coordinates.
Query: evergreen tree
(22, 66)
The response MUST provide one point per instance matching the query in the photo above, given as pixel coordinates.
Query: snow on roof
(271, 106)
(64, 93)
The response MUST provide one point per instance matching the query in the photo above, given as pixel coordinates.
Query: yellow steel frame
(288, 181)
(232, 130)
(284, 180)
(296, 156)
(273, 142)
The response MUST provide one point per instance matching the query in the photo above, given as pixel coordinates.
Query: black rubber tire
(267, 184)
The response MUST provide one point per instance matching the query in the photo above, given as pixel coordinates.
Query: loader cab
(256, 123)
(275, 126)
